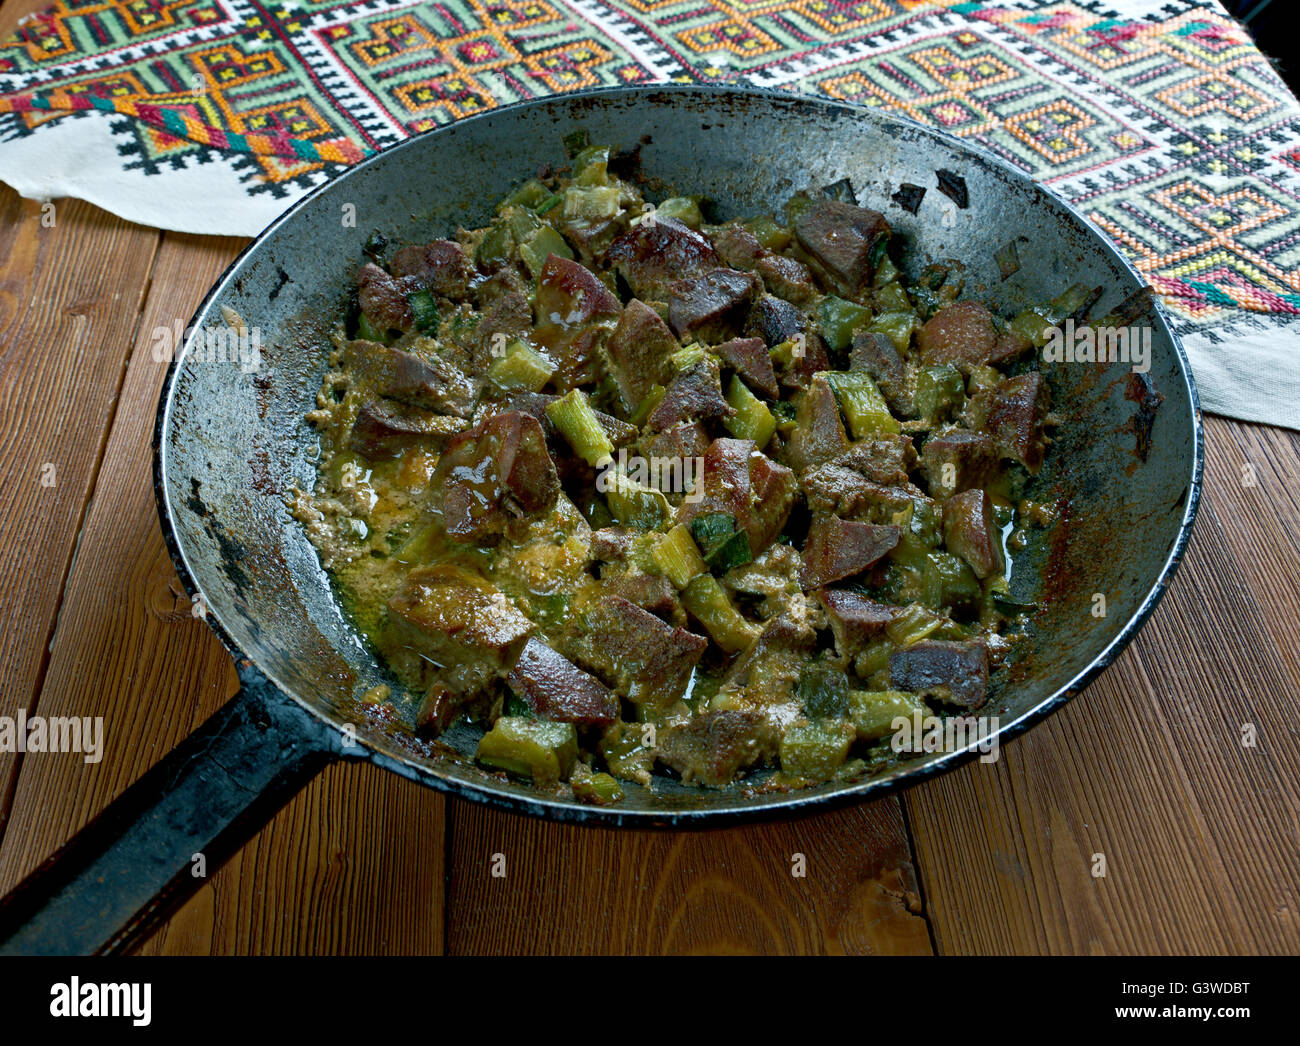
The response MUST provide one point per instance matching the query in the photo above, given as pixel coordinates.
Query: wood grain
(126, 632)
(65, 332)
(570, 890)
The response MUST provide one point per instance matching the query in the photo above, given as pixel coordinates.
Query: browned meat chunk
(842, 238)
(774, 320)
(458, 621)
(856, 620)
(655, 594)
(680, 442)
(803, 369)
(556, 689)
(961, 333)
(970, 531)
(747, 485)
(614, 544)
(869, 476)
(435, 384)
(818, 435)
(951, 671)
(712, 748)
(875, 353)
(973, 457)
(738, 247)
(499, 466)
(787, 278)
(575, 313)
(639, 351)
(774, 487)
(383, 297)
(440, 266)
(642, 658)
(652, 255)
(1016, 416)
(837, 549)
(749, 358)
(694, 395)
(711, 305)
(383, 428)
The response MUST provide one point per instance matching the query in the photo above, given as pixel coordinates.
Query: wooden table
(1199, 832)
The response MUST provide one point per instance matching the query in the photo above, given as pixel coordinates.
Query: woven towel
(1160, 120)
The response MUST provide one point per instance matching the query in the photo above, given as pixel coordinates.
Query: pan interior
(232, 438)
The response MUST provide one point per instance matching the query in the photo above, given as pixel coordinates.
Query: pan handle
(139, 858)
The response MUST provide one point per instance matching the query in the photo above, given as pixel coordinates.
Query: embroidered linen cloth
(1160, 120)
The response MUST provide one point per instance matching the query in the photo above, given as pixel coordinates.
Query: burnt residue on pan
(1142, 391)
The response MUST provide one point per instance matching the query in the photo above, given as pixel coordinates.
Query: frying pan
(1125, 469)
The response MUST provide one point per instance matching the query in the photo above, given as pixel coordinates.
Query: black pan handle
(136, 861)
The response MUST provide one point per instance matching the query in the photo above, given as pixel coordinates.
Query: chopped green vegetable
(367, 331)
(768, 233)
(521, 368)
(425, 310)
(752, 419)
(541, 245)
(685, 209)
(634, 505)
(530, 194)
(598, 789)
(678, 558)
(864, 407)
(940, 391)
(873, 712)
(824, 690)
(897, 326)
(838, 319)
(572, 415)
(707, 600)
(815, 750)
(533, 749)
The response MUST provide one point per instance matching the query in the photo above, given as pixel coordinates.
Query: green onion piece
(653, 397)
(577, 423)
(634, 505)
(752, 419)
(521, 368)
(1033, 326)
(677, 557)
(425, 310)
(707, 600)
(575, 142)
(549, 204)
(863, 406)
(892, 297)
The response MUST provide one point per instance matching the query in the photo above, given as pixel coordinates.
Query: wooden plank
(322, 875)
(570, 890)
(70, 296)
(1146, 767)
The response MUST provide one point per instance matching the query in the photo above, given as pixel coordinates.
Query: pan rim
(756, 809)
